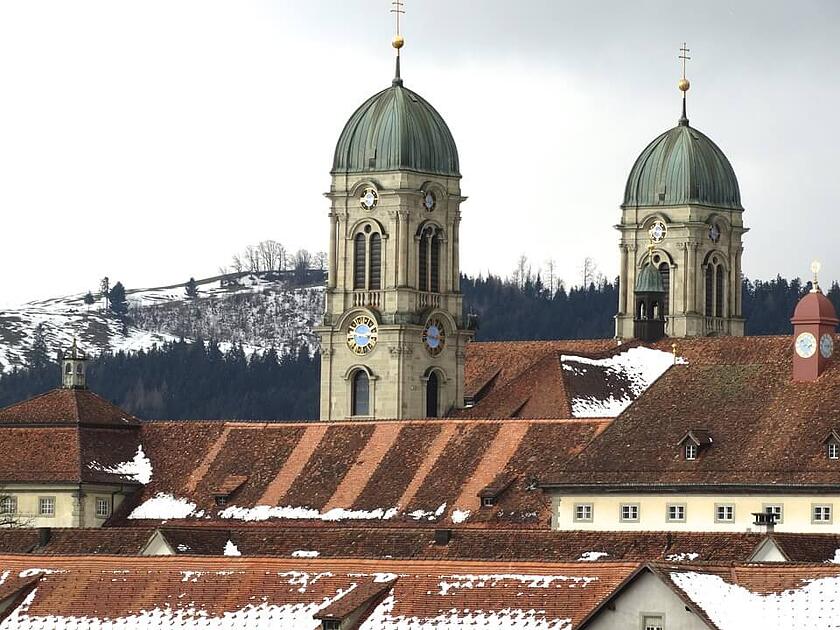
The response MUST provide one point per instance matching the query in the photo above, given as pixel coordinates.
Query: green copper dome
(396, 129)
(649, 280)
(679, 167)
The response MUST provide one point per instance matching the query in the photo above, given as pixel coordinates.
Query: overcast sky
(149, 141)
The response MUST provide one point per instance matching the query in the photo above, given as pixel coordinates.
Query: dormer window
(331, 624)
(488, 501)
(693, 442)
(832, 445)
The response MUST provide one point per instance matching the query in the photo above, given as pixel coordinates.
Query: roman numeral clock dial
(362, 334)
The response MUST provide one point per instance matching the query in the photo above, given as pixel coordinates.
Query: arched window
(79, 369)
(642, 310)
(360, 404)
(710, 295)
(432, 395)
(719, 293)
(359, 256)
(375, 262)
(665, 274)
(656, 310)
(68, 369)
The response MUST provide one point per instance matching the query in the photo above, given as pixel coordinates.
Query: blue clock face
(434, 336)
(826, 346)
(362, 334)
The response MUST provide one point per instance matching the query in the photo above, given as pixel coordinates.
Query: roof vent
(443, 536)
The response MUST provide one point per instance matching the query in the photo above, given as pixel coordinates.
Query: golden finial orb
(398, 42)
(684, 84)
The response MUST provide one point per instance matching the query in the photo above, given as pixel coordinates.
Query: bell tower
(74, 368)
(393, 335)
(814, 322)
(682, 194)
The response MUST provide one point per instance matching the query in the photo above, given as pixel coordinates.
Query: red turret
(814, 322)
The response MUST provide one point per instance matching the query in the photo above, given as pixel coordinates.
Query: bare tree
(589, 272)
(236, 264)
(271, 255)
(551, 270)
(321, 261)
(252, 258)
(302, 264)
(9, 516)
(522, 272)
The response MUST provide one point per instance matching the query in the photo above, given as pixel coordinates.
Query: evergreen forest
(200, 381)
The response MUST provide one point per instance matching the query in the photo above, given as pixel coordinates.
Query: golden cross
(398, 10)
(684, 56)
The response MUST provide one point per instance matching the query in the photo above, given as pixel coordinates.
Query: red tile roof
(405, 466)
(275, 593)
(66, 406)
(766, 429)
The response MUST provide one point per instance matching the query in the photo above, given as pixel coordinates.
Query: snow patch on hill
(258, 311)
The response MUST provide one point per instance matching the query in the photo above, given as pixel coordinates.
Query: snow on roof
(592, 556)
(811, 604)
(231, 549)
(138, 469)
(603, 388)
(164, 506)
(383, 618)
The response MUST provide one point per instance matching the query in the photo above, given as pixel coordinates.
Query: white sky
(149, 141)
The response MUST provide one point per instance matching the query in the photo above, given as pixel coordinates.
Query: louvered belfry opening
(375, 262)
(719, 291)
(428, 261)
(665, 274)
(709, 291)
(435, 264)
(359, 255)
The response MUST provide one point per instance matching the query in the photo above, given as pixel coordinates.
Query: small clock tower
(814, 322)
(393, 335)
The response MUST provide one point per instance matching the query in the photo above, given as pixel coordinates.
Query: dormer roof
(700, 437)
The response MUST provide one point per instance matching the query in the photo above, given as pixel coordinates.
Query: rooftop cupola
(74, 368)
(814, 322)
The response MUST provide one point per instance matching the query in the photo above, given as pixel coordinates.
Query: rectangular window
(691, 451)
(103, 507)
(46, 506)
(629, 512)
(775, 508)
(821, 514)
(675, 513)
(724, 513)
(8, 505)
(833, 450)
(653, 622)
(583, 512)
(331, 624)
(488, 501)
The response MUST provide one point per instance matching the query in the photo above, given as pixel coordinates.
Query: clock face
(429, 200)
(369, 199)
(806, 345)
(362, 334)
(657, 232)
(714, 233)
(826, 346)
(434, 336)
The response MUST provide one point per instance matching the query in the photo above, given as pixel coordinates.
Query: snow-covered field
(256, 311)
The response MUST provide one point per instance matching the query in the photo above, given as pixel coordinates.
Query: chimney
(44, 536)
(443, 536)
(765, 520)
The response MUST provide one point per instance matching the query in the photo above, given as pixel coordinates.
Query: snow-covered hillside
(252, 309)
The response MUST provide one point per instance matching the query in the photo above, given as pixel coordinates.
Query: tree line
(201, 380)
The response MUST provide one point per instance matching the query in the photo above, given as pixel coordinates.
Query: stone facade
(701, 249)
(399, 365)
